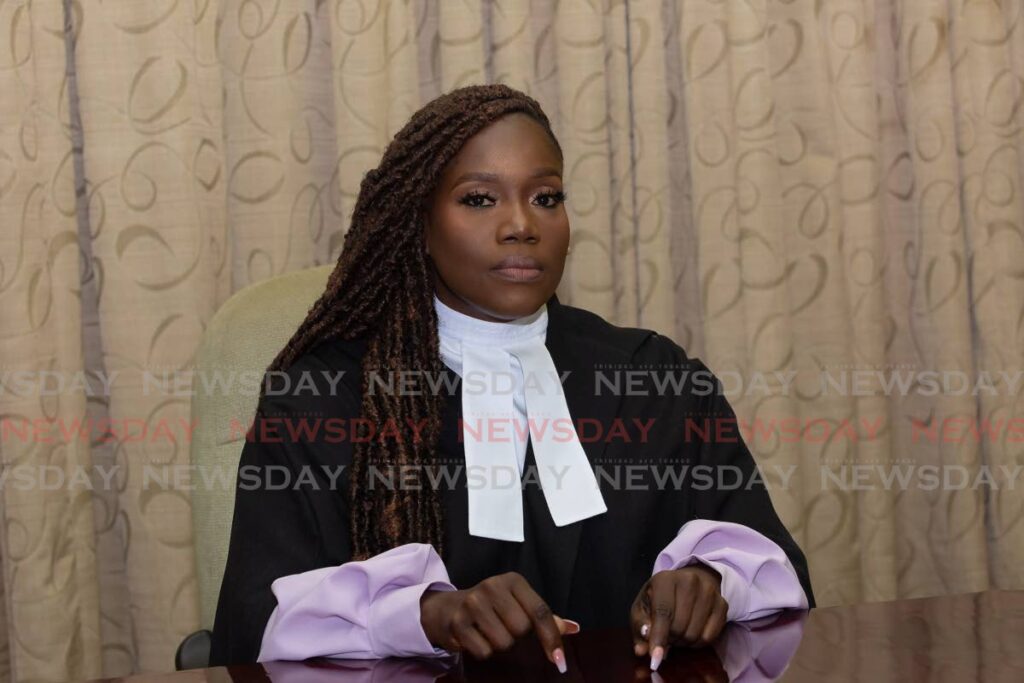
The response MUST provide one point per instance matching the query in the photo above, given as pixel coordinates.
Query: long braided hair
(382, 290)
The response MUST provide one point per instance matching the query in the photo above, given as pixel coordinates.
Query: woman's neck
(457, 325)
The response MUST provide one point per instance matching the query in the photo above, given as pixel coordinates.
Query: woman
(448, 273)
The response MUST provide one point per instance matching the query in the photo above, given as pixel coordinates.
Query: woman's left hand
(678, 607)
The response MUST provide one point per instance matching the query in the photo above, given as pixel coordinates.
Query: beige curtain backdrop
(783, 186)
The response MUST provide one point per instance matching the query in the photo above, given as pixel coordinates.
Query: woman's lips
(518, 274)
(519, 268)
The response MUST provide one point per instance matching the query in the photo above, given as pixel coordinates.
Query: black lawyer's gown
(589, 571)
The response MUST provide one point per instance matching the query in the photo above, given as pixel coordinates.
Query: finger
(716, 622)
(640, 624)
(543, 621)
(703, 605)
(566, 626)
(471, 639)
(511, 613)
(488, 623)
(663, 606)
(689, 588)
(642, 647)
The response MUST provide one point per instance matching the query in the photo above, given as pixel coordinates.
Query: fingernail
(644, 630)
(656, 657)
(574, 626)
(638, 649)
(559, 658)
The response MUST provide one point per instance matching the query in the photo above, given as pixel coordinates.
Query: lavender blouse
(371, 608)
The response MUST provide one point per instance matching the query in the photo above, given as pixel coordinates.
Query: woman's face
(496, 227)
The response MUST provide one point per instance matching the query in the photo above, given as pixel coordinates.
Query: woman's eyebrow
(495, 177)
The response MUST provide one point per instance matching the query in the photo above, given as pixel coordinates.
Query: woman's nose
(519, 225)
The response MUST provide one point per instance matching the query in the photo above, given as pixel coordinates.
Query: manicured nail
(644, 630)
(574, 626)
(656, 657)
(559, 658)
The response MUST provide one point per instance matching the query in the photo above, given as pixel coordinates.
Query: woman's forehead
(513, 140)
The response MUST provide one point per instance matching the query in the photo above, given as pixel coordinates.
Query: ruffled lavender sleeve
(358, 610)
(757, 576)
(758, 651)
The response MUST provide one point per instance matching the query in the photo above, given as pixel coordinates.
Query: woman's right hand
(491, 616)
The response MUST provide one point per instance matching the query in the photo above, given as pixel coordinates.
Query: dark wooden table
(977, 637)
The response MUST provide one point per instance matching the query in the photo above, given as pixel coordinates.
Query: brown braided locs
(382, 290)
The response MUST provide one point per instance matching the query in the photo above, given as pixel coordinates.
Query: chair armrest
(194, 651)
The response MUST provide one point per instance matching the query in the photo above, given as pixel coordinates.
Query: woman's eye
(476, 199)
(479, 200)
(550, 200)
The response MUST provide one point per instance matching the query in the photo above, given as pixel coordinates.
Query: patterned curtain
(795, 191)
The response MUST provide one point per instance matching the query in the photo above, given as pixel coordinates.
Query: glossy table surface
(977, 637)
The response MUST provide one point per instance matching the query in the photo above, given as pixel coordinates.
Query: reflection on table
(958, 638)
(753, 652)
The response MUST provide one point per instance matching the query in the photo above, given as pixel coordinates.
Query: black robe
(589, 571)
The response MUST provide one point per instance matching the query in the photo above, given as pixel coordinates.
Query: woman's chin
(514, 307)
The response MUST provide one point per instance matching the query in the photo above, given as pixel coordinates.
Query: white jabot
(511, 392)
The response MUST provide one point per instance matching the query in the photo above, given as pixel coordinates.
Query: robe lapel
(573, 350)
